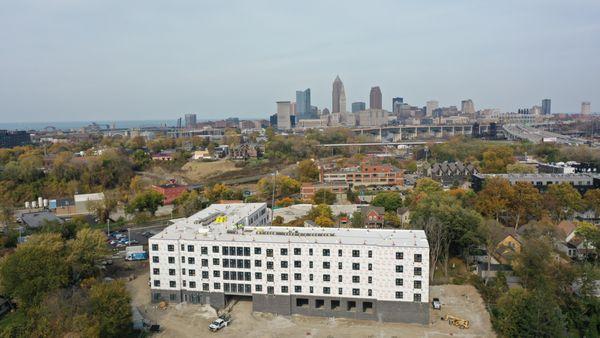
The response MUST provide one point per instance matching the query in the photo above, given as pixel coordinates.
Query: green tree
(357, 219)
(591, 236)
(592, 200)
(284, 186)
(308, 171)
(278, 220)
(110, 305)
(518, 168)
(34, 269)
(324, 196)
(392, 220)
(320, 210)
(324, 221)
(188, 203)
(562, 200)
(525, 313)
(141, 159)
(85, 252)
(146, 201)
(496, 159)
(389, 200)
(525, 200)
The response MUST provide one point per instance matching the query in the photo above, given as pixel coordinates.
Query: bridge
(368, 144)
(411, 132)
(527, 133)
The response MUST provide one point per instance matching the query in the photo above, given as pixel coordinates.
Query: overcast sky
(66, 60)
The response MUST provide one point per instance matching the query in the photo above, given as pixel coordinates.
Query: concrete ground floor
(308, 305)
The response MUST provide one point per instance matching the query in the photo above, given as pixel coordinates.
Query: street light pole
(108, 227)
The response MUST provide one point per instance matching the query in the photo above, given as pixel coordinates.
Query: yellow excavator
(458, 322)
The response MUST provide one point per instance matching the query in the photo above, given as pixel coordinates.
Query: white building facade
(218, 254)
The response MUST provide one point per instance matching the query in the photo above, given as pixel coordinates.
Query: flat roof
(193, 228)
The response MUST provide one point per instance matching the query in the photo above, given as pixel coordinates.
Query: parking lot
(120, 239)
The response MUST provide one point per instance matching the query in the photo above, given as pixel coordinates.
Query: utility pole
(274, 183)
(108, 227)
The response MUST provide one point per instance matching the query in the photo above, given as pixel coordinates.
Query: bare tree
(437, 235)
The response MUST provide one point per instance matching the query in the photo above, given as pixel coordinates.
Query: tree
(324, 196)
(308, 171)
(188, 203)
(495, 197)
(392, 220)
(324, 221)
(146, 201)
(278, 220)
(104, 207)
(221, 192)
(525, 200)
(533, 262)
(351, 196)
(141, 159)
(34, 269)
(518, 168)
(85, 252)
(591, 236)
(284, 186)
(592, 200)
(320, 210)
(357, 219)
(110, 306)
(496, 159)
(562, 200)
(525, 313)
(389, 200)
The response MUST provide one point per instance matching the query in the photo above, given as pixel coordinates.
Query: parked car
(437, 305)
(220, 323)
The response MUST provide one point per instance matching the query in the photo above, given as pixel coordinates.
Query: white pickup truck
(219, 323)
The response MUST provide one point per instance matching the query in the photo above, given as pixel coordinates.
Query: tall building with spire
(338, 95)
(375, 98)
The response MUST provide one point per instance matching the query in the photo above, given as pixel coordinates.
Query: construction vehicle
(456, 321)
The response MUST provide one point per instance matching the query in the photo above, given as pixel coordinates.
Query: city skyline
(62, 62)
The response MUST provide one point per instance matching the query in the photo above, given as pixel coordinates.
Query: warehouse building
(229, 251)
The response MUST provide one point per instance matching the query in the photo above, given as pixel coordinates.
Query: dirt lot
(189, 320)
(196, 171)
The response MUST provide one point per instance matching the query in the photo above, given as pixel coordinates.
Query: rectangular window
(215, 249)
(284, 289)
(240, 275)
(204, 251)
(154, 247)
(215, 261)
(270, 265)
(270, 277)
(192, 272)
(205, 286)
(258, 288)
(232, 263)
(171, 272)
(284, 264)
(156, 271)
(225, 263)
(340, 291)
(205, 262)
(156, 283)
(257, 275)
(204, 274)
(326, 265)
(370, 293)
(216, 273)
(182, 248)
(340, 252)
(257, 251)
(311, 289)
(417, 284)
(247, 276)
(310, 264)
(226, 275)
(184, 283)
(170, 247)
(356, 292)
(269, 252)
(370, 280)
(240, 263)
(154, 259)
(310, 277)
(418, 258)
(270, 290)
(246, 251)
(326, 252)
(217, 286)
(284, 276)
(399, 295)
(191, 260)
(225, 251)
(190, 248)
(257, 263)
(417, 271)
(239, 251)
(399, 255)
(310, 252)
(355, 253)
(399, 281)
(355, 279)
(297, 251)
(399, 268)
(171, 260)
(370, 267)
(297, 264)
(370, 253)
(232, 250)
(326, 290)
(297, 289)
(417, 297)
(297, 276)
(326, 278)
(340, 265)
(355, 266)
(182, 259)
(246, 264)
(172, 284)
(283, 251)
(192, 285)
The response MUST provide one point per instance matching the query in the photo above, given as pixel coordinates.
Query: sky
(70, 60)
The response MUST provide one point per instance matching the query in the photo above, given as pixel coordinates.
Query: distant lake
(65, 125)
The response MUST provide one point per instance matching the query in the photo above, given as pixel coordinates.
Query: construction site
(462, 314)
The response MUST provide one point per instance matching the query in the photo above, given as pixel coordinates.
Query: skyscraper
(546, 107)
(586, 108)
(303, 108)
(284, 109)
(190, 120)
(358, 106)
(431, 106)
(338, 97)
(467, 106)
(375, 98)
